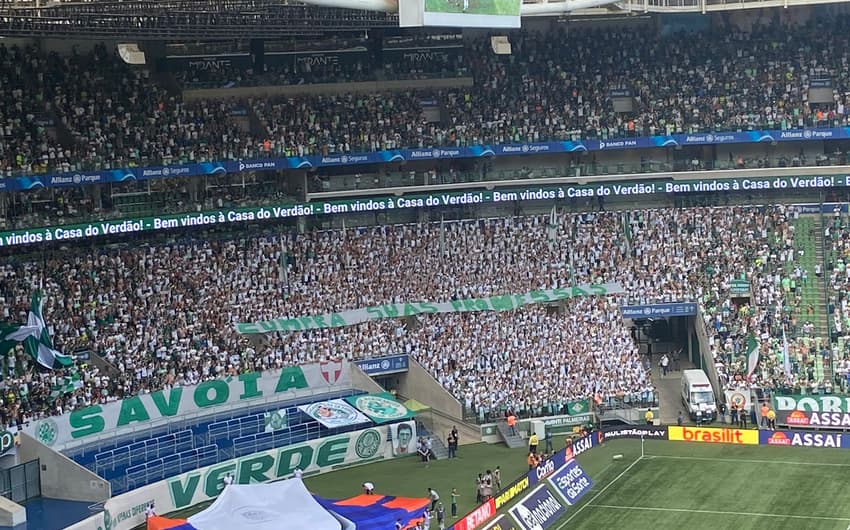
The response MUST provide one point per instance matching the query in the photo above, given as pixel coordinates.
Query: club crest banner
(334, 413)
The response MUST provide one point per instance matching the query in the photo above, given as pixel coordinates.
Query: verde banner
(127, 511)
(813, 411)
(381, 408)
(79, 426)
(506, 302)
(382, 204)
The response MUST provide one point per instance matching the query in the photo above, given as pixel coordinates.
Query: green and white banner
(505, 302)
(334, 413)
(127, 511)
(381, 407)
(160, 407)
(276, 420)
(813, 411)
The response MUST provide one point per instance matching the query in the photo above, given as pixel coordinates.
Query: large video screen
(472, 13)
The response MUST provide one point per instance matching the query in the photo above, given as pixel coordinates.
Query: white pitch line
(717, 512)
(618, 477)
(784, 463)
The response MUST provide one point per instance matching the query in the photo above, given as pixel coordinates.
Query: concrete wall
(11, 513)
(325, 88)
(361, 381)
(441, 424)
(61, 477)
(418, 384)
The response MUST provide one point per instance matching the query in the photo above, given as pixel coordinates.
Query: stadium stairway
(809, 238)
(437, 446)
(512, 441)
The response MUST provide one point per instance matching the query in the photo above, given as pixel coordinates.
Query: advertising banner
(506, 302)
(648, 432)
(404, 438)
(209, 63)
(159, 407)
(127, 511)
(537, 511)
(385, 365)
(472, 13)
(579, 446)
(118, 175)
(805, 439)
(131, 225)
(381, 407)
(571, 482)
(811, 410)
(713, 435)
(476, 517)
(300, 61)
(502, 522)
(739, 287)
(508, 493)
(684, 309)
(334, 413)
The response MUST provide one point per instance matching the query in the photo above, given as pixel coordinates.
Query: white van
(698, 396)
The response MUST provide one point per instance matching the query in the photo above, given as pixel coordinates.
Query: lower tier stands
(135, 460)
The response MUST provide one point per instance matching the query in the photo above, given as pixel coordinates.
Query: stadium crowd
(554, 86)
(163, 314)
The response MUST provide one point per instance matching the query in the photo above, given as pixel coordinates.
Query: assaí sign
(818, 411)
(114, 418)
(804, 439)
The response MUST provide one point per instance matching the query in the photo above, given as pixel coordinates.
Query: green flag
(35, 338)
(752, 354)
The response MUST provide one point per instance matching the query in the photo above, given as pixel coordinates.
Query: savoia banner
(506, 302)
(316, 456)
(127, 414)
(820, 411)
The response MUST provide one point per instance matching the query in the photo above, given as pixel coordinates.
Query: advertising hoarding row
(118, 175)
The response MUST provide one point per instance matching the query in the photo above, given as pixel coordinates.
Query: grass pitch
(476, 7)
(672, 486)
(677, 485)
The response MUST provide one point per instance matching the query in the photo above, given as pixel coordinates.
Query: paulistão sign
(127, 414)
(506, 302)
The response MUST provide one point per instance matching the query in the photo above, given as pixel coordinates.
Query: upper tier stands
(163, 314)
(556, 85)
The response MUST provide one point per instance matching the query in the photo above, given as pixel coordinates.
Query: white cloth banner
(334, 413)
(284, 505)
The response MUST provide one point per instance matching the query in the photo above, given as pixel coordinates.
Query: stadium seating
(681, 88)
(132, 461)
